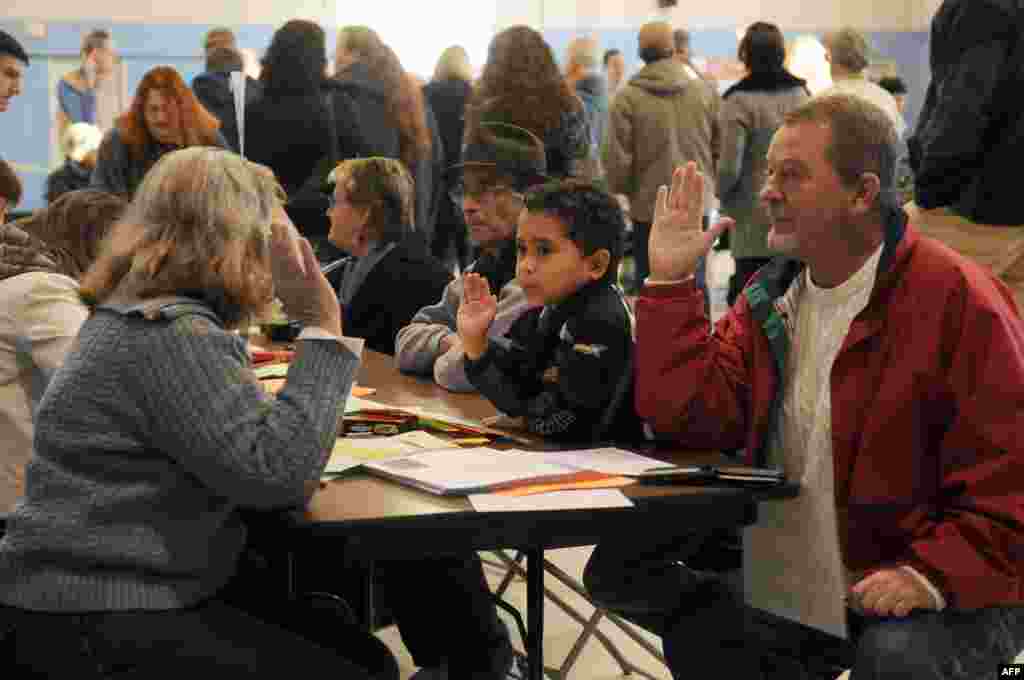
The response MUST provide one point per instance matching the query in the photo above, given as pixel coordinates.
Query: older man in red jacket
(883, 372)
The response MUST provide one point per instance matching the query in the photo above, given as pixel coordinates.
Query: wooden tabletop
(360, 505)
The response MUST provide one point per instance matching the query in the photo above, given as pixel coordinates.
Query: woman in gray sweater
(154, 434)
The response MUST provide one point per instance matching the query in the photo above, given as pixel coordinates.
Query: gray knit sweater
(149, 439)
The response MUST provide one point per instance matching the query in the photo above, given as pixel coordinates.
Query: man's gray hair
(848, 48)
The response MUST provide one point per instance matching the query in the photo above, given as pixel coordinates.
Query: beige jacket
(661, 119)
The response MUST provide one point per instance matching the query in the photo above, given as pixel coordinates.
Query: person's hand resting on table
(303, 290)
(476, 313)
(677, 242)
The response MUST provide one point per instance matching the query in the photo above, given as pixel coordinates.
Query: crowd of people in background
(474, 229)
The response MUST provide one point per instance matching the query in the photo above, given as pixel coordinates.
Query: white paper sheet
(610, 461)
(556, 500)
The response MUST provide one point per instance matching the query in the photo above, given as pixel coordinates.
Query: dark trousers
(172, 644)
(443, 607)
(445, 613)
(745, 268)
(708, 632)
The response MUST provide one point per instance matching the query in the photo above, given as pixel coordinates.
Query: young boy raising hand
(564, 367)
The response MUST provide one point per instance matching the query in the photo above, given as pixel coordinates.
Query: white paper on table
(238, 90)
(583, 499)
(610, 461)
(464, 471)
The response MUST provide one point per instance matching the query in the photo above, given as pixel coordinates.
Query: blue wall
(25, 128)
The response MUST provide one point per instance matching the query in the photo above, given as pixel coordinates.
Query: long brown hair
(521, 72)
(73, 227)
(198, 126)
(405, 100)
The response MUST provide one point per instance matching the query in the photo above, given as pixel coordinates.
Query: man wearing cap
(499, 162)
(660, 119)
(848, 55)
(13, 60)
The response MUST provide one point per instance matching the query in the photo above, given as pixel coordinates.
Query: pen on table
(331, 266)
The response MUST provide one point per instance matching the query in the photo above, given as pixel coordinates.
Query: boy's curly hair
(592, 216)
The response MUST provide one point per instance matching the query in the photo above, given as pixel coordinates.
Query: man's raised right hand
(677, 242)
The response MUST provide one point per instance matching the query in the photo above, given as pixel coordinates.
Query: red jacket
(927, 417)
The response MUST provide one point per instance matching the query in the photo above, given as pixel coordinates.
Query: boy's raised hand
(476, 312)
(677, 242)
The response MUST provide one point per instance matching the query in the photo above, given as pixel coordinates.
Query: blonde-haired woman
(154, 434)
(447, 95)
(390, 275)
(453, 64)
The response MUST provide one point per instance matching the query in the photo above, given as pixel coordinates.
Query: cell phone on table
(753, 474)
(677, 474)
(712, 474)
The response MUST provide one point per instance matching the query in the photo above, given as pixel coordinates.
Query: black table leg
(368, 604)
(535, 613)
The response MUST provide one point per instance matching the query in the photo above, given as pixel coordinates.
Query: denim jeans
(708, 632)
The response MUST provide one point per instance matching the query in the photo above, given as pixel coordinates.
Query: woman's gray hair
(210, 192)
(453, 64)
(199, 225)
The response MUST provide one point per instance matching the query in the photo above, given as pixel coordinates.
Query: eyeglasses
(331, 201)
(459, 193)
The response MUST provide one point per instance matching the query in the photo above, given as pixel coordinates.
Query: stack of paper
(458, 471)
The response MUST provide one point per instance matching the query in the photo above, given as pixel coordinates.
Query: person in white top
(41, 259)
(849, 54)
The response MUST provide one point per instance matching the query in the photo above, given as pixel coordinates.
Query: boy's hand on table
(476, 313)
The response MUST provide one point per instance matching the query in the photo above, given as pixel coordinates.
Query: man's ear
(598, 263)
(866, 198)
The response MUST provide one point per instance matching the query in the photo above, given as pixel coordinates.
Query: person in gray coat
(752, 110)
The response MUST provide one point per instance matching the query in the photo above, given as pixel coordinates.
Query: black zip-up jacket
(969, 139)
(567, 369)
